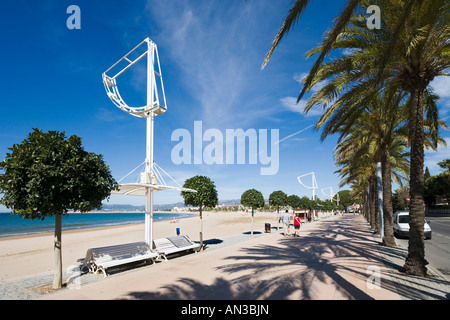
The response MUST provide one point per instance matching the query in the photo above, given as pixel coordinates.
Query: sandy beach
(32, 254)
(333, 259)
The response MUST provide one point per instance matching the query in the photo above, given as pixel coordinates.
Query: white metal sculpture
(313, 186)
(150, 179)
(333, 196)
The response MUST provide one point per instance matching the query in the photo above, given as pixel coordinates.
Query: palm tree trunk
(388, 239)
(374, 219)
(366, 206)
(57, 280)
(415, 261)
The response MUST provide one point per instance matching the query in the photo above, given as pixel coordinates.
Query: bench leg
(93, 268)
(162, 257)
(103, 270)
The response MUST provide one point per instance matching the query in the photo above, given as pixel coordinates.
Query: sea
(13, 225)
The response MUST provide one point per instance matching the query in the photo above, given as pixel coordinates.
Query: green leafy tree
(400, 198)
(427, 174)
(305, 202)
(206, 196)
(437, 188)
(48, 175)
(254, 199)
(278, 199)
(294, 202)
(345, 198)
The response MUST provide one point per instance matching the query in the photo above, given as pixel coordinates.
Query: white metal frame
(153, 103)
(149, 178)
(333, 196)
(313, 187)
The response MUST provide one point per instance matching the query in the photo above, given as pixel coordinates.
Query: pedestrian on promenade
(286, 217)
(297, 224)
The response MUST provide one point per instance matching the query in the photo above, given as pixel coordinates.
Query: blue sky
(211, 53)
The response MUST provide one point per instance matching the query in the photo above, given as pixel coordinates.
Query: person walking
(286, 218)
(297, 224)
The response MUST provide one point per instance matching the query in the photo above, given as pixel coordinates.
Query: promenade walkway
(337, 258)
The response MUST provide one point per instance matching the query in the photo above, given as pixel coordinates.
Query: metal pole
(314, 196)
(380, 198)
(149, 149)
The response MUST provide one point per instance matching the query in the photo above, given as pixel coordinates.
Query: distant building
(230, 207)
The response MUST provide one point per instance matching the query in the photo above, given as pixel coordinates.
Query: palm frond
(291, 19)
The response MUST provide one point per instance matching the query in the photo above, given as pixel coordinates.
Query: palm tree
(378, 137)
(355, 105)
(408, 52)
(416, 54)
(356, 155)
(294, 13)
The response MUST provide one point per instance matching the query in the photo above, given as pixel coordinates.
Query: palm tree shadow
(305, 257)
(316, 257)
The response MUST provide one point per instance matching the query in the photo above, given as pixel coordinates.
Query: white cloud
(290, 103)
(441, 86)
(300, 77)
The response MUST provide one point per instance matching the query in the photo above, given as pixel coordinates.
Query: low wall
(437, 212)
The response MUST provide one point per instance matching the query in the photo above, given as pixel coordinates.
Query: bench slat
(99, 259)
(166, 246)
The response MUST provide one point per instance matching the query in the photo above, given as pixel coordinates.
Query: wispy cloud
(108, 115)
(290, 103)
(214, 49)
(441, 86)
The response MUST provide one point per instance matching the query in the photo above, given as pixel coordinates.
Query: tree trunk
(415, 262)
(252, 220)
(57, 280)
(366, 205)
(201, 228)
(376, 213)
(388, 238)
(374, 220)
(278, 218)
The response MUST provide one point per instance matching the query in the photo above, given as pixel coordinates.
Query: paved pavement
(337, 258)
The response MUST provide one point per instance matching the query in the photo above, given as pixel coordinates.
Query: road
(437, 250)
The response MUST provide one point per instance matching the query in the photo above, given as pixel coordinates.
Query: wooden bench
(170, 245)
(102, 258)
